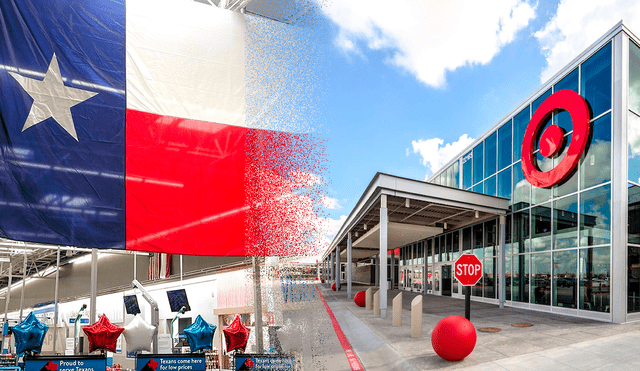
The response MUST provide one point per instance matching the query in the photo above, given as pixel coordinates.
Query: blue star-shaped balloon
(200, 334)
(29, 335)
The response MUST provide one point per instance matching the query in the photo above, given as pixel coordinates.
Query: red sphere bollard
(360, 298)
(333, 287)
(453, 338)
(322, 280)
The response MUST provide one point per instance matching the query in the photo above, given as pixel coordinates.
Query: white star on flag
(51, 98)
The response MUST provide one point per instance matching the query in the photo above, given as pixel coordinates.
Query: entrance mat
(488, 329)
(524, 324)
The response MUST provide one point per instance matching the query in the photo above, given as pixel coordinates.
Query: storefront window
(490, 267)
(521, 232)
(595, 216)
(541, 227)
(455, 245)
(565, 222)
(467, 170)
(490, 238)
(504, 183)
(449, 176)
(536, 103)
(478, 246)
(633, 138)
(490, 153)
(477, 163)
(595, 278)
(490, 186)
(634, 214)
(507, 235)
(507, 277)
(633, 280)
(596, 81)
(595, 165)
(448, 246)
(565, 272)
(455, 175)
(521, 189)
(541, 278)
(504, 145)
(520, 286)
(634, 77)
(436, 249)
(520, 123)
(466, 239)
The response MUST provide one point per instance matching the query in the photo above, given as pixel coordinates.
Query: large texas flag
(122, 125)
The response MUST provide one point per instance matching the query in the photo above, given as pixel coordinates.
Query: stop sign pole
(468, 271)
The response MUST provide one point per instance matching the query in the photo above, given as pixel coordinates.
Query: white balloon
(138, 335)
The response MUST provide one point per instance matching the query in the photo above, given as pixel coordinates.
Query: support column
(349, 262)
(332, 267)
(501, 263)
(383, 256)
(8, 295)
(55, 302)
(619, 180)
(94, 286)
(257, 304)
(24, 279)
(377, 265)
(338, 268)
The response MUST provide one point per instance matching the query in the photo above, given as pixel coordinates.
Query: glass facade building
(574, 247)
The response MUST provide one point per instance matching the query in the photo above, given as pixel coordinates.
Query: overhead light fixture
(356, 234)
(365, 227)
(406, 203)
(477, 214)
(5, 260)
(445, 225)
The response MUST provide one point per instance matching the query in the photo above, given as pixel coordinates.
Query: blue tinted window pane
(520, 123)
(595, 216)
(455, 175)
(521, 189)
(596, 81)
(504, 183)
(633, 212)
(520, 277)
(490, 186)
(595, 165)
(467, 170)
(478, 188)
(541, 228)
(477, 163)
(449, 176)
(634, 77)
(490, 155)
(569, 82)
(633, 138)
(565, 222)
(536, 103)
(595, 278)
(565, 271)
(521, 232)
(540, 282)
(504, 146)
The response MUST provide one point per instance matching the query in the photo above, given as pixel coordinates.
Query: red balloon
(236, 335)
(103, 334)
(360, 298)
(333, 287)
(453, 338)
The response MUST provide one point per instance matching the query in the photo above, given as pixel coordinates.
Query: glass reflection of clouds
(633, 138)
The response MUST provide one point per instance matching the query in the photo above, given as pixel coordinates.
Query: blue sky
(409, 84)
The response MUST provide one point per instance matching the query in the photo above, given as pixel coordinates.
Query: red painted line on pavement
(354, 362)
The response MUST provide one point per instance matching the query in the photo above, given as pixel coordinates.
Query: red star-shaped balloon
(103, 334)
(236, 335)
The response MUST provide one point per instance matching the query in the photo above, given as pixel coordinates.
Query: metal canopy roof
(415, 209)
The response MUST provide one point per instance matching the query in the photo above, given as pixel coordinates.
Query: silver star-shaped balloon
(138, 335)
(51, 98)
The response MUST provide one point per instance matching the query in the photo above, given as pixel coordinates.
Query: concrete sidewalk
(554, 342)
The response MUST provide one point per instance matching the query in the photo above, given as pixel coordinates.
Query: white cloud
(331, 203)
(429, 38)
(579, 23)
(435, 155)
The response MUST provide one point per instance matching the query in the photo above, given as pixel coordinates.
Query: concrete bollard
(397, 310)
(416, 317)
(369, 299)
(376, 303)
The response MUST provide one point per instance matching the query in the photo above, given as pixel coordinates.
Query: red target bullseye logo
(552, 138)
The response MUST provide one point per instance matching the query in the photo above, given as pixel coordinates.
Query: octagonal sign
(468, 269)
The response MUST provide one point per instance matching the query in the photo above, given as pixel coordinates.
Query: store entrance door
(446, 280)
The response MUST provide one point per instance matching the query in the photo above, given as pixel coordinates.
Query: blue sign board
(170, 362)
(65, 363)
(264, 362)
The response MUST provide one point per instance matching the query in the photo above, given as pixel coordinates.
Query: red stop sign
(468, 269)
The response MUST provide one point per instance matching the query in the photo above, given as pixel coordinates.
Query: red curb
(354, 362)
